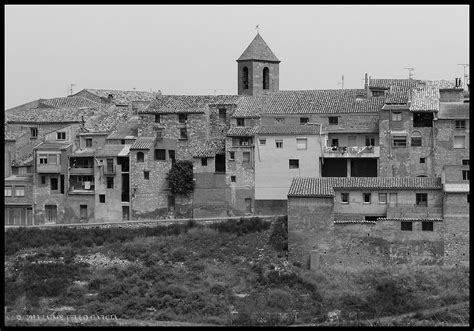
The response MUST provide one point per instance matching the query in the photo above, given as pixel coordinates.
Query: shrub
(278, 298)
(279, 236)
(179, 254)
(241, 226)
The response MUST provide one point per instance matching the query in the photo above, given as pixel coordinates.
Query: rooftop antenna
(341, 82)
(70, 88)
(466, 76)
(257, 28)
(410, 75)
(215, 92)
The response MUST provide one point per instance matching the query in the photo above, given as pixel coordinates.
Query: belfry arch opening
(245, 77)
(266, 78)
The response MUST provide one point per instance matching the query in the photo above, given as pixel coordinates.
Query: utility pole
(410, 75)
(341, 82)
(466, 76)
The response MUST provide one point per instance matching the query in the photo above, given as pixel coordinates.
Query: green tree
(180, 178)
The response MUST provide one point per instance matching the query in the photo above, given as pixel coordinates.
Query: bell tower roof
(258, 50)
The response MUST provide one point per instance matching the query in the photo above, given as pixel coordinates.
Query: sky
(187, 49)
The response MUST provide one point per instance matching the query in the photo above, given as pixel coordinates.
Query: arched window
(140, 157)
(245, 77)
(266, 78)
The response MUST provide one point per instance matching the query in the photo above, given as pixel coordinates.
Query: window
(426, 226)
(43, 180)
(140, 157)
(465, 175)
(183, 133)
(60, 135)
(421, 199)
(378, 93)
(294, 164)
(232, 156)
(246, 157)
(245, 77)
(266, 78)
(396, 116)
(279, 143)
(157, 118)
(422, 160)
(204, 161)
(301, 143)
(280, 120)
(102, 198)
(88, 142)
(146, 175)
(383, 198)
(345, 197)
(406, 226)
(459, 142)
(241, 122)
(399, 141)
(422, 120)
(160, 154)
(34, 132)
(333, 120)
(172, 156)
(222, 115)
(232, 179)
(460, 124)
(335, 142)
(122, 142)
(19, 191)
(54, 184)
(304, 120)
(465, 162)
(182, 118)
(110, 182)
(83, 212)
(8, 191)
(415, 141)
(369, 141)
(263, 141)
(245, 141)
(51, 212)
(43, 158)
(367, 197)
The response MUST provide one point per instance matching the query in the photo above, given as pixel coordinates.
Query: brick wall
(255, 78)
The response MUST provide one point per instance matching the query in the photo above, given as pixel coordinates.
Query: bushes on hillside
(279, 236)
(241, 226)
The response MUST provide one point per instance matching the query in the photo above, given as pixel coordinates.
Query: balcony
(353, 151)
(48, 168)
(110, 170)
(81, 171)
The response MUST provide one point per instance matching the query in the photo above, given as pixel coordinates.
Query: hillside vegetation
(230, 273)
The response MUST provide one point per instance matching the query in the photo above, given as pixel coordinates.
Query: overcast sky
(192, 49)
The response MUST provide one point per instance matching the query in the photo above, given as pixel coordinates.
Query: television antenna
(410, 75)
(341, 82)
(466, 76)
(70, 88)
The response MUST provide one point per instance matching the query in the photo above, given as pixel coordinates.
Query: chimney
(366, 84)
(110, 97)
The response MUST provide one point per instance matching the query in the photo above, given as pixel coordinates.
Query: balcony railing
(352, 151)
(81, 171)
(48, 168)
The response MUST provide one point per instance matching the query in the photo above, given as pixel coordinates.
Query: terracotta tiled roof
(395, 107)
(27, 160)
(250, 106)
(241, 131)
(49, 115)
(350, 218)
(410, 219)
(321, 102)
(442, 84)
(69, 102)
(110, 150)
(258, 50)
(210, 148)
(170, 104)
(424, 98)
(324, 187)
(12, 132)
(386, 83)
(288, 129)
(122, 96)
(126, 130)
(397, 95)
(53, 146)
(107, 119)
(143, 143)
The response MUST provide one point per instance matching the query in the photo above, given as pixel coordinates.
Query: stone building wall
(445, 153)
(456, 228)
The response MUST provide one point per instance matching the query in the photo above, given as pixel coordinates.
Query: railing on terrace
(344, 151)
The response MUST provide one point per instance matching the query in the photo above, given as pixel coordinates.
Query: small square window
(460, 124)
(302, 143)
(465, 175)
(422, 199)
(146, 175)
(263, 141)
(367, 197)
(422, 160)
(43, 180)
(240, 122)
(232, 156)
(382, 198)
(182, 118)
(333, 120)
(34, 132)
(122, 142)
(415, 141)
(279, 143)
(88, 142)
(110, 182)
(232, 179)
(304, 120)
(426, 226)
(183, 133)
(102, 198)
(160, 154)
(399, 141)
(294, 164)
(396, 116)
(345, 197)
(406, 226)
(157, 118)
(204, 162)
(60, 135)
